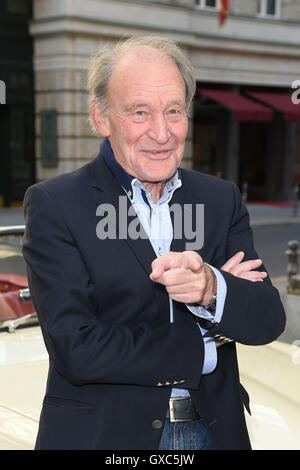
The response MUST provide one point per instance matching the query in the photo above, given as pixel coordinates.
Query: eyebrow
(137, 104)
(140, 104)
(176, 102)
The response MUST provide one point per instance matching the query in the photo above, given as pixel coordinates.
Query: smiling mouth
(158, 153)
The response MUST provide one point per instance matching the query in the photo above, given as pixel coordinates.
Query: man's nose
(159, 129)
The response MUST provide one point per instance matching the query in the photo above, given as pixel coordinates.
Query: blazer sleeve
(253, 313)
(83, 348)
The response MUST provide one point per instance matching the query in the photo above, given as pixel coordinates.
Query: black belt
(181, 409)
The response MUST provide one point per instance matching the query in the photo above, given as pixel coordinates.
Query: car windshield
(15, 303)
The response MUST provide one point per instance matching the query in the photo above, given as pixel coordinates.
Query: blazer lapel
(185, 218)
(108, 193)
(188, 221)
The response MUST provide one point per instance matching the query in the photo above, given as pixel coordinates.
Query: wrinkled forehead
(142, 55)
(145, 66)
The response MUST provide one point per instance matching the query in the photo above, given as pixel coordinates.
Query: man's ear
(100, 119)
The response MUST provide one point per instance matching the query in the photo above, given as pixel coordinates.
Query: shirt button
(160, 251)
(157, 424)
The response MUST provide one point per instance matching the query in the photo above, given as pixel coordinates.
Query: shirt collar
(129, 182)
(122, 176)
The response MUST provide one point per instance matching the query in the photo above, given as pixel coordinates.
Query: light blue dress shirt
(157, 223)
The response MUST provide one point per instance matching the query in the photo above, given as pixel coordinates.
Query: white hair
(105, 60)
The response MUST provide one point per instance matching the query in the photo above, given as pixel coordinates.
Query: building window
(207, 4)
(268, 8)
(19, 7)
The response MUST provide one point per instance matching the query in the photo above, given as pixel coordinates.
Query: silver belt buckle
(172, 410)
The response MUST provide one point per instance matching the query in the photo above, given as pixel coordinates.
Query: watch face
(212, 306)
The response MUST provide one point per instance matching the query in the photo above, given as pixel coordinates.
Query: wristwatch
(211, 307)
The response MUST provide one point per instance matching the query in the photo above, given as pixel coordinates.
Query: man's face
(147, 122)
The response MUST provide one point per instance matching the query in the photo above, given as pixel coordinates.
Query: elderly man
(140, 328)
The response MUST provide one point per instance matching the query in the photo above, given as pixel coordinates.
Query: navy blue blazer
(106, 324)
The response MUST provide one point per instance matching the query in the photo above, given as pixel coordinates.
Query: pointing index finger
(159, 265)
(173, 260)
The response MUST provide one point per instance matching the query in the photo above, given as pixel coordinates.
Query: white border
(2, 92)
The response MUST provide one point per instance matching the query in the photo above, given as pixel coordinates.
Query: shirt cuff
(200, 311)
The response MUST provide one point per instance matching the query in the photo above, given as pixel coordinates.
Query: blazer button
(157, 424)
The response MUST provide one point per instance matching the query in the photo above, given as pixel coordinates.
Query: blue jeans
(185, 436)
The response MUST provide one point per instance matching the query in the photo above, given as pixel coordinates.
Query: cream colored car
(23, 357)
(271, 374)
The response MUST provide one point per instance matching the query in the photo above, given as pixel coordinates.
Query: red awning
(244, 109)
(281, 101)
